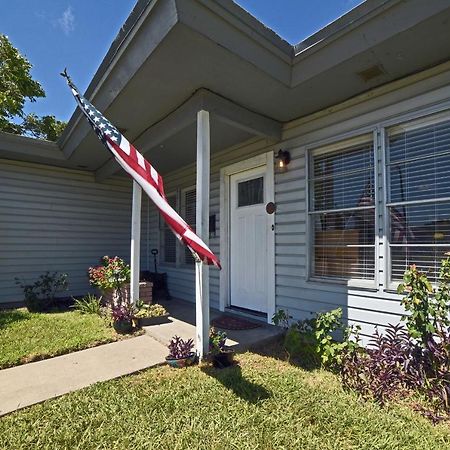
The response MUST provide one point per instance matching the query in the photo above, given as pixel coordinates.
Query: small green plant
(281, 319)
(40, 295)
(217, 341)
(89, 304)
(112, 273)
(146, 310)
(313, 341)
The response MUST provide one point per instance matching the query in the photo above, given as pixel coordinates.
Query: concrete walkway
(35, 382)
(32, 383)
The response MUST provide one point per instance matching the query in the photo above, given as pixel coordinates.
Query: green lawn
(264, 404)
(26, 337)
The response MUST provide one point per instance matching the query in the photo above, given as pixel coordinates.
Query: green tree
(16, 87)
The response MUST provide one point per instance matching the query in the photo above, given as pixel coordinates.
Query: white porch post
(135, 242)
(202, 230)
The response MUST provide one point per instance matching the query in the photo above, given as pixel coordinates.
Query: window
(168, 239)
(418, 170)
(189, 215)
(342, 211)
(251, 192)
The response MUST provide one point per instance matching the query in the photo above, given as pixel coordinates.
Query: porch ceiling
(169, 50)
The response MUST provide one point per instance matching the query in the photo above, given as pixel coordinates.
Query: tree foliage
(16, 87)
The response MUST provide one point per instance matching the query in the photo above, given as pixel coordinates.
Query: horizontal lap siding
(58, 220)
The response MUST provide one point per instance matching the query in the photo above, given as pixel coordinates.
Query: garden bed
(27, 337)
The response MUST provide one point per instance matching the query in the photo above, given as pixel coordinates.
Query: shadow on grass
(232, 379)
(9, 316)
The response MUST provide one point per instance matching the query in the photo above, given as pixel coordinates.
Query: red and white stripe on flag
(144, 174)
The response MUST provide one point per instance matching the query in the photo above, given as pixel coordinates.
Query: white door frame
(266, 159)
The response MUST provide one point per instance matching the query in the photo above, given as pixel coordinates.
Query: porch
(182, 323)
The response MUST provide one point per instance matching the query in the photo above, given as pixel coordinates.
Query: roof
(170, 50)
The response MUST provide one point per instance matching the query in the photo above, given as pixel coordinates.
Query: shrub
(122, 313)
(40, 295)
(89, 304)
(387, 368)
(112, 273)
(281, 318)
(146, 310)
(217, 341)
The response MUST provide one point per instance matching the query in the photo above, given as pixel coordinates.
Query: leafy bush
(122, 313)
(89, 304)
(281, 318)
(313, 340)
(217, 341)
(388, 366)
(146, 310)
(413, 359)
(179, 348)
(40, 295)
(112, 273)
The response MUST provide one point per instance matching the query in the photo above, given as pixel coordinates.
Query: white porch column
(202, 230)
(135, 241)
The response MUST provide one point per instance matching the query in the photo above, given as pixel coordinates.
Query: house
(361, 108)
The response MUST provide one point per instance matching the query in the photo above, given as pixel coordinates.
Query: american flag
(144, 174)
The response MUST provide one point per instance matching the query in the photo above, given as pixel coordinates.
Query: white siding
(58, 220)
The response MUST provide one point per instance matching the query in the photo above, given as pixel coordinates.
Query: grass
(26, 337)
(266, 403)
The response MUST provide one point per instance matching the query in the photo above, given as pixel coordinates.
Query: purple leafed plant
(387, 368)
(179, 348)
(121, 313)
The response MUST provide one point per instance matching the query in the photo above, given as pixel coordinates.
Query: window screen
(342, 213)
(190, 201)
(418, 168)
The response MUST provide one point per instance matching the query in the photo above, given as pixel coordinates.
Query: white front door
(248, 231)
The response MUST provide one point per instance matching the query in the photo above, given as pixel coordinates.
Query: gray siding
(58, 220)
(294, 292)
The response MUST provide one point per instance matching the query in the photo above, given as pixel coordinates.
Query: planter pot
(123, 326)
(111, 296)
(182, 362)
(223, 359)
(148, 321)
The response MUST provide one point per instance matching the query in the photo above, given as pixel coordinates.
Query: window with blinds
(168, 239)
(189, 215)
(418, 168)
(342, 212)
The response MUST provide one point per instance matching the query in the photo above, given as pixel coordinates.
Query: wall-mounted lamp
(283, 159)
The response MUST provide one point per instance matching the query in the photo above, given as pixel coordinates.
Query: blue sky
(54, 34)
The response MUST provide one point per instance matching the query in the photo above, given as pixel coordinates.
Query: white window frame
(361, 136)
(408, 122)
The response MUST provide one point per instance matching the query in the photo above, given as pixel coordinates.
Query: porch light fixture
(283, 159)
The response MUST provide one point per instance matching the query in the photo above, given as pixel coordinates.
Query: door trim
(266, 159)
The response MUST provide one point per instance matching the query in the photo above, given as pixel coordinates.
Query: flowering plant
(121, 313)
(112, 273)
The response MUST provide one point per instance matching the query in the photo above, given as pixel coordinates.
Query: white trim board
(266, 159)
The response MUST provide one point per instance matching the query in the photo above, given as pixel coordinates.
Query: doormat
(233, 323)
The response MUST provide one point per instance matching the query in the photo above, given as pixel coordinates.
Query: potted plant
(111, 277)
(147, 315)
(122, 318)
(180, 352)
(220, 355)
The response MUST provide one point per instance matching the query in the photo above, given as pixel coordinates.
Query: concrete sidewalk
(35, 382)
(32, 383)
